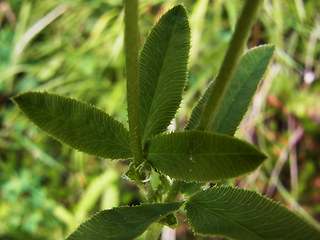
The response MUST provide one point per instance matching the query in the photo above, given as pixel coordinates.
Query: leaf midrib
(204, 154)
(94, 133)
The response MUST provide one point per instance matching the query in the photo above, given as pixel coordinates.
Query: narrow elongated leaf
(245, 215)
(202, 156)
(163, 71)
(247, 77)
(122, 223)
(76, 124)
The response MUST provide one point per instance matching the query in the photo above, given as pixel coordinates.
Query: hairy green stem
(231, 59)
(132, 67)
(174, 191)
(154, 231)
(133, 98)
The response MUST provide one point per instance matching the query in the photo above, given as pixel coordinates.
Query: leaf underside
(122, 223)
(196, 156)
(247, 77)
(244, 215)
(76, 124)
(163, 71)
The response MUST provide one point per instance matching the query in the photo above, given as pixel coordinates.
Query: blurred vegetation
(75, 48)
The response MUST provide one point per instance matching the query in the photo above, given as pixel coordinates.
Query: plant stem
(132, 67)
(133, 97)
(225, 75)
(156, 228)
(231, 59)
(154, 231)
(174, 191)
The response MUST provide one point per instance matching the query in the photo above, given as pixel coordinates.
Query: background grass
(75, 48)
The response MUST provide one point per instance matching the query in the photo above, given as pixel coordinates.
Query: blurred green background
(75, 48)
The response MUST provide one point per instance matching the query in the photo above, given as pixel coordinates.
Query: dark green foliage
(247, 77)
(77, 124)
(122, 223)
(163, 71)
(189, 156)
(244, 215)
(202, 156)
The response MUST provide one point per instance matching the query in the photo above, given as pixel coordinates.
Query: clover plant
(206, 151)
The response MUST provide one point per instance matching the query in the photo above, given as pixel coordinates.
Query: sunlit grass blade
(196, 156)
(244, 215)
(163, 71)
(244, 84)
(123, 223)
(76, 124)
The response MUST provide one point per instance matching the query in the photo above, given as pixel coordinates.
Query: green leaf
(244, 84)
(163, 71)
(245, 215)
(170, 221)
(202, 156)
(76, 124)
(123, 223)
(191, 187)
